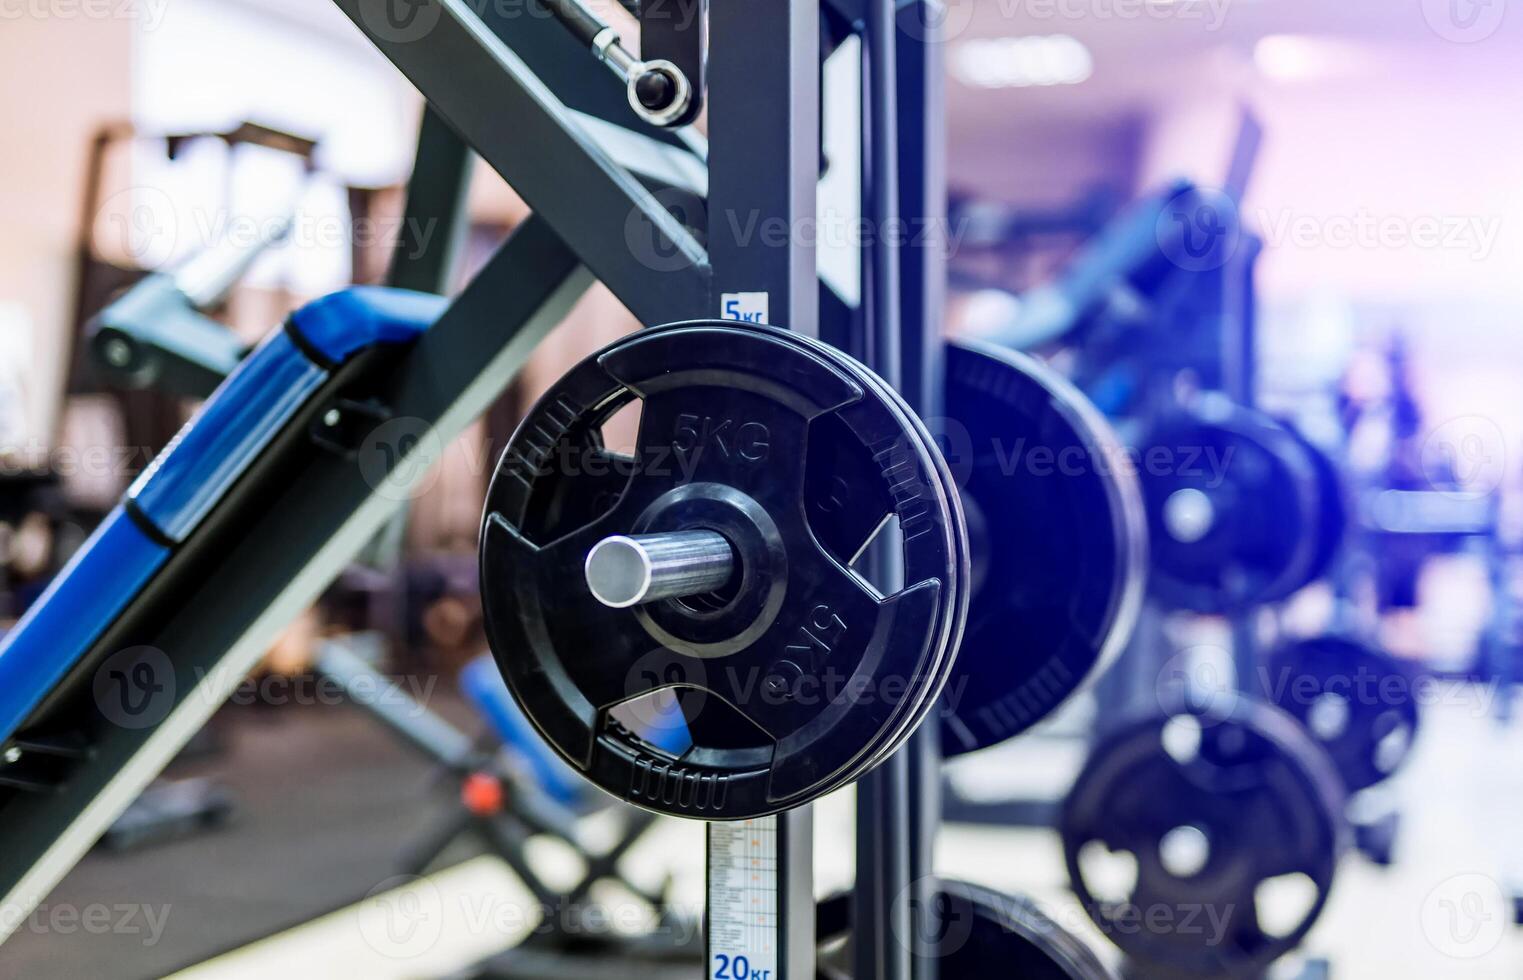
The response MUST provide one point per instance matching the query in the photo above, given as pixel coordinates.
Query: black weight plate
(1058, 539)
(844, 506)
(1243, 777)
(1332, 506)
(978, 932)
(1355, 699)
(827, 528)
(848, 505)
(1231, 499)
(820, 674)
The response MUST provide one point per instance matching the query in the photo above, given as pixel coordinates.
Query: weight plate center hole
(1393, 746)
(1188, 515)
(1328, 716)
(1184, 851)
(1110, 876)
(1181, 738)
(1283, 902)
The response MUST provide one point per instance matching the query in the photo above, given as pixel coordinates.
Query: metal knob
(624, 571)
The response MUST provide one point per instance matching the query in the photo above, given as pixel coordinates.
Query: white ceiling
(1394, 119)
(1144, 48)
(1152, 59)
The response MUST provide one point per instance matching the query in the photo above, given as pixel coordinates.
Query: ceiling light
(1018, 62)
(1295, 58)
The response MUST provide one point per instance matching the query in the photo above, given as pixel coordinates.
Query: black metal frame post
(904, 201)
(920, 75)
(881, 902)
(434, 220)
(1238, 376)
(764, 152)
(764, 155)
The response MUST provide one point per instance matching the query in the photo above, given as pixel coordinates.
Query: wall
(63, 72)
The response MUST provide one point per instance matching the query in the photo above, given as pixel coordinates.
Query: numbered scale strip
(758, 871)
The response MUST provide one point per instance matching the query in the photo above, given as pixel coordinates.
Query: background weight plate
(1058, 539)
(1242, 777)
(788, 696)
(1232, 508)
(983, 934)
(1355, 699)
(1332, 505)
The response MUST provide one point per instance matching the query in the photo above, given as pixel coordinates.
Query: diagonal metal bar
(488, 94)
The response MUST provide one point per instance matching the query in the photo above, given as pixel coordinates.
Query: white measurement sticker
(746, 307)
(743, 885)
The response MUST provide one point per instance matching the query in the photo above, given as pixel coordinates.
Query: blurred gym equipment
(1058, 541)
(1236, 506)
(1355, 699)
(1214, 804)
(508, 788)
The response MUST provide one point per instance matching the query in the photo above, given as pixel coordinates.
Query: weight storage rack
(236, 530)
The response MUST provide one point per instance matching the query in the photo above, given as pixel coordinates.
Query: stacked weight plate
(809, 666)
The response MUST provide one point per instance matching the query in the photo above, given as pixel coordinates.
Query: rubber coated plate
(1332, 506)
(828, 523)
(1261, 803)
(1058, 538)
(1355, 699)
(1231, 498)
(845, 503)
(799, 676)
(981, 933)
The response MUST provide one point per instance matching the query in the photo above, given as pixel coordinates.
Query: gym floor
(327, 801)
